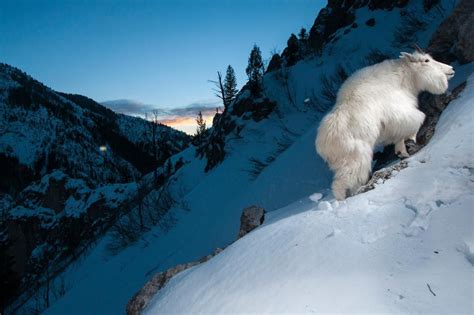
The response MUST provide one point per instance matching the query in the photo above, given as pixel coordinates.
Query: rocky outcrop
(256, 109)
(336, 15)
(275, 63)
(452, 41)
(251, 218)
(247, 107)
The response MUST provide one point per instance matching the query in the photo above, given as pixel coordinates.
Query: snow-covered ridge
(43, 130)
(406, 246)
(68, 166)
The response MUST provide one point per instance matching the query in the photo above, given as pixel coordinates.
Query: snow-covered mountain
(261, 151)
(68, 165)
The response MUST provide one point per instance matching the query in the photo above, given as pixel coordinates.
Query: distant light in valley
(103, 148)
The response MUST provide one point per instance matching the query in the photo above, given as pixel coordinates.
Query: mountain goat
(376, 105)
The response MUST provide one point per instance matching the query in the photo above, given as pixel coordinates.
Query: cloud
(182, 118)
(128, 107)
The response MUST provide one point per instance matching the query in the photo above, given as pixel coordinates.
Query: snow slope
(406, 246)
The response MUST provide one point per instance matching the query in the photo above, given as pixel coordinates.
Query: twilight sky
(159, 53)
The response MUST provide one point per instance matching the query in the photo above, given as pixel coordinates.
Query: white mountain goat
(376, 105)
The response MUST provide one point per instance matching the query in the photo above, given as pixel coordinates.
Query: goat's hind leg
(401, 149)
(352, 174)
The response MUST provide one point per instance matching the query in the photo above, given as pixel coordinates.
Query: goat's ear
(407, 56)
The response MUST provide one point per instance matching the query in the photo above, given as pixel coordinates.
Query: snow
(353, 233)
(404, 247)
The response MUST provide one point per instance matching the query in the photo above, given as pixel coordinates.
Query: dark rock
(251, 218)
(381, 176)
(429, 4)
(216, 118)
(432, 106)
(370, 22)
(347, 31)
(275, 63)
(292, 52)
(259, 109)
(338, 14)
(354, 25)
(453, 39)
(387, 4)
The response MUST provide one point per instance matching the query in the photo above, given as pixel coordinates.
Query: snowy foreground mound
(406, 246)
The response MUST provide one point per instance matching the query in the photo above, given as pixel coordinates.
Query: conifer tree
(230, 86)
(201, 128)
(255, 70)
(303, 35)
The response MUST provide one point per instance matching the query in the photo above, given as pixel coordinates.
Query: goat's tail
(348, 157)
(352, 171)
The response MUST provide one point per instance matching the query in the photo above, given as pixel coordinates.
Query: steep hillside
(260, 151)
(405, 247)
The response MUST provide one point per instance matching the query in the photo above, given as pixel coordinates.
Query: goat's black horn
(418, 48)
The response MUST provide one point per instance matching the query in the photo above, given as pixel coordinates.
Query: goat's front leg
(413, 137)
(401, 149)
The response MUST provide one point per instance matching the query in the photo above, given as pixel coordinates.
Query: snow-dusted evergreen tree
(201, 128)
(230, 86)
(255, 70)
(226, 90)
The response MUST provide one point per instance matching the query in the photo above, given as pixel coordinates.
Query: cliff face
(453, 39)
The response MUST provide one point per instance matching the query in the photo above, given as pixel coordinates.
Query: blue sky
(156, 52)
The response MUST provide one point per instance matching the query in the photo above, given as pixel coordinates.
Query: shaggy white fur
(376, 105)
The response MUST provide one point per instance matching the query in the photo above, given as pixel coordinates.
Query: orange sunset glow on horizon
(188, 124)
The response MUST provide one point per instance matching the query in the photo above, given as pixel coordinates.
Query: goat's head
(430, 75)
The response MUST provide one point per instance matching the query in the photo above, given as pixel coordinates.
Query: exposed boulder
(251, 218)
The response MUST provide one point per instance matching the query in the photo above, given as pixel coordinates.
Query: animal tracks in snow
(467, 248)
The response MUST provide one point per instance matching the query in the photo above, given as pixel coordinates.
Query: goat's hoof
(403, 155)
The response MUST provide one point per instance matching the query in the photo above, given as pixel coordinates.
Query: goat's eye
(427, 60)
